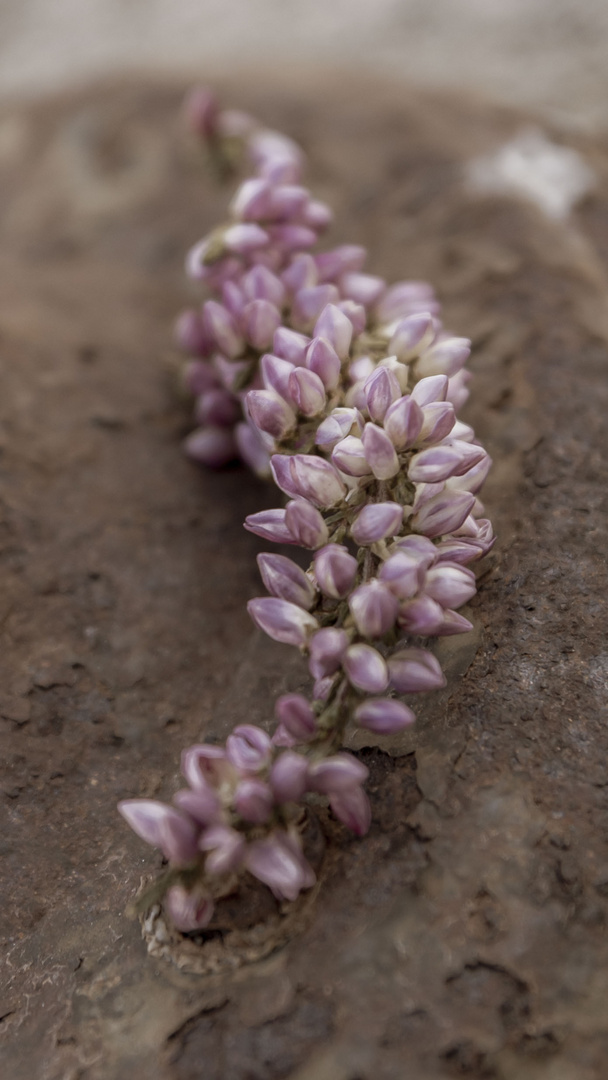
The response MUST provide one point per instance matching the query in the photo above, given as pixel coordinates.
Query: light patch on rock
(532, 167)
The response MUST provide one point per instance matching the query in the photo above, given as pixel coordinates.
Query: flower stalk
(344, 391)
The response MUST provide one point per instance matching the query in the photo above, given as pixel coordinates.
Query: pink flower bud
(402, 574)
(243, 239)
(355, 313)
(352, 809)
(212, 446)
(287, 201)
(366, 669)
(259, 320)
(335, 570)
(381, 390)
(423, 493)
(469, 526)
(202, 805)
(308, 303)
(290, 346)
(380, 452)
(301, 273)
(377, 521)
(232, 298)
(201, 110)
(403, 422)
(217, 407)
(340, 772)
(307, 391)
(374, 609)
(260, 283)
(228, 372)
(453, 623)
(444, 358)
(412, 335)
(204, 766)
(383, 715)
(443, 513)
(289, 777)
(191, 336)
(398, 300)
(421, 616)
(270, 413)
(336, 327)
(317, 215)
(252, 200)
(219, 324)
(414, 670)
(252, 450)
(474, 478)
(432, 389)
(188, 910)
(440, 462)
(332, 264)
(163, 826)
(485, 535)
(360, 368)
(278, 862)
(460, 551)
(281, 620)
(400, 371)
(253, 800)
(419, 547)
(226, 849)
(450, 586)
(283, 578)
(292, 237)
(248, 748)
(270, 525)
(437, 422)
(275, 374)
(317, 480)
(294, 712)
(461, 431)
(355, 396)
(305, 524)
(177, 836)
(326, 648)
(272, 152)
(365, 289)
(349, 456)
(195, 261)
(323, 359)
(458, 391)
(280, 466)
(282, 738)
(340, 423)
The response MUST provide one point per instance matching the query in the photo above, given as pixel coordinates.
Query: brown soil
(466, 935)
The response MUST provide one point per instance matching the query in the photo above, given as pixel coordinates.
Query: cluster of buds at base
(240, 812)
(345, 390)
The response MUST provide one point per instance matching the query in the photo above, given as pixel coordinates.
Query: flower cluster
(345, 390)
(239, 812)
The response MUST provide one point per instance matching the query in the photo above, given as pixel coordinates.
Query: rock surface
(466, 935)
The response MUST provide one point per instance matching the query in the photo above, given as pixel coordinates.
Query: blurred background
(549, 54)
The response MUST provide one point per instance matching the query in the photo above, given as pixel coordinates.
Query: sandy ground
(550, 54)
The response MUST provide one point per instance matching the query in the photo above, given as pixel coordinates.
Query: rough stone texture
(466, 935)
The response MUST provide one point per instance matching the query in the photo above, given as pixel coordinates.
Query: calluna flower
(344, 390)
